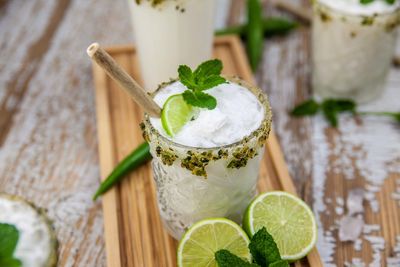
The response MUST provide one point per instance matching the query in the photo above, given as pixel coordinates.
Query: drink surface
(354, 7)
(238, 114)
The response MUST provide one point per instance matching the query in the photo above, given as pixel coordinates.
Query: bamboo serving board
(133, 230)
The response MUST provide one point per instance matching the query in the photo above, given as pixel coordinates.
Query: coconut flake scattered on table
(358, 149)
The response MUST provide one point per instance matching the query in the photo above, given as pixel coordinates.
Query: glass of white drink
(169, 33)
(210, 168)
(353, 47)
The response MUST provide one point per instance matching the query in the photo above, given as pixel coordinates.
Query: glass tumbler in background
(195, 183)
(170, 33)
(352, 53)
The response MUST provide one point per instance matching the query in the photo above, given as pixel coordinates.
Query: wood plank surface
(328, 163)
(48, 148)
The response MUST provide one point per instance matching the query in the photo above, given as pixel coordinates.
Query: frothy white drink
(171, 33)
(238, 114)
(210, 168)
(353, 47)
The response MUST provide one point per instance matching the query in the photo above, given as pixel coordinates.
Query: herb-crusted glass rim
(265, 124)
(319, 4)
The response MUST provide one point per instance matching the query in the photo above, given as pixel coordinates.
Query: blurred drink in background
(170, 33)
(353, 47)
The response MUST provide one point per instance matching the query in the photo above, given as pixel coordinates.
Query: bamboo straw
(104, 60)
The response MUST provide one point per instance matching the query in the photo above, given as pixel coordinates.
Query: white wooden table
(48, 146)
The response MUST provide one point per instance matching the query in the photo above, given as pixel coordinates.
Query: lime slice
(175, 114)
(199, 244)
(287, 218)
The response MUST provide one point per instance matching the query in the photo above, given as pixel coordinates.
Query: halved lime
(175, 114)
(287, 218)
(198, 245)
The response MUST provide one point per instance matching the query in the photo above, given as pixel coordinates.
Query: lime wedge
(287, 218)
(199, 244)
(175, 114)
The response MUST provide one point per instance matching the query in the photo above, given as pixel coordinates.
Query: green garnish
(307, 108)
(9, 236)
(206, 76)
(175, 114)
(394, 115)
(262, 247)
(366, 2)
(331, 108)
(225, 258)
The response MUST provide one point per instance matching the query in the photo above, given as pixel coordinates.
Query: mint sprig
(9, 236)
(331, 108)
(366, 2)
(206, 76)
(225, 258)
(262, 247)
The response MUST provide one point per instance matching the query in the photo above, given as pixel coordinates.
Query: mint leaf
(396, 117)
(9, 236)
(342, 105)
(279, 263)
(331, 108)
(263, 248)
(307, 108)
(210, 82)
(365, 2)
(206, 76)
(207, 68)
(10, 262)
(199, 99)
(225, 258)
(330, 113)
(186, 77)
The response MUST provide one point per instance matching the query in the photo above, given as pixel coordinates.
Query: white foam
(238, 114)
(354, 7)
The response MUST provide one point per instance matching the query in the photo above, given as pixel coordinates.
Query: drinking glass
(171, 33)
(194, 183)
(352, 53)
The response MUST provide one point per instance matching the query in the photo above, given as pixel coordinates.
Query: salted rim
(257, 92)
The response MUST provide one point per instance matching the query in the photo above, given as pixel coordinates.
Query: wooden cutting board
(133, 230)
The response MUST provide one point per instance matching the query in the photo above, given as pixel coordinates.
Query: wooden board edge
(105, 147)
(110, 199)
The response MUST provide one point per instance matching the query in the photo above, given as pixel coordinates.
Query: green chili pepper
(271, 26)
(254, 33)
(274, 26)
(137, 158)
(239, 30)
